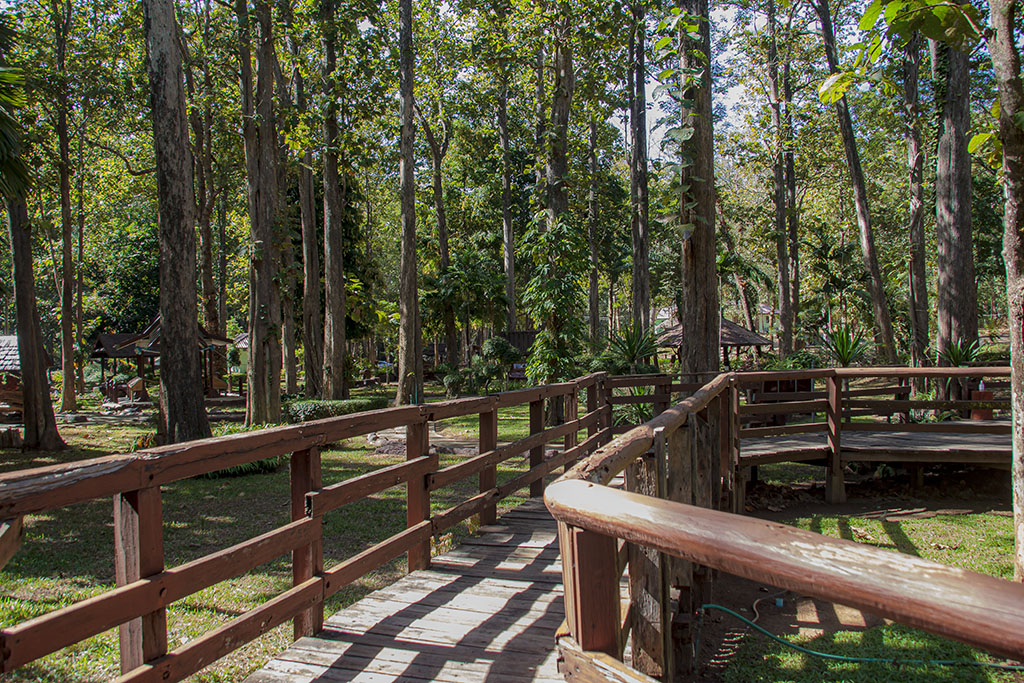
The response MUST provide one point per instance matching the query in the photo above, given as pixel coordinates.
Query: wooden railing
(681, 471)
(145, 587)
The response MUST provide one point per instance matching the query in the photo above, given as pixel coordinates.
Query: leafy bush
(304, 410)
(960, 352)
(845, 343)
(798, 360)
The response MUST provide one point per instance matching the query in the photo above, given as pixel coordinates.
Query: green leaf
(662, 43)
(835, 86)
(978, 141)
(871, 15)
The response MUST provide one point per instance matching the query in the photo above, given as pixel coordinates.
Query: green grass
(979, 542)
(67, 555)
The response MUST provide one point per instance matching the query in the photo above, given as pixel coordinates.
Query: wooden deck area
(900, 446)
(485, 611)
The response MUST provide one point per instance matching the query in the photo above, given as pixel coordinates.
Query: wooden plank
(638, 399)
(11, 534)
(458, 407)
(334, 496)
(594, 667)
(627, 381)
(835, 486)
(307, 560)
(139, 553)
(344, 573)
(964, 427)
(976, 609)
(787, 455)
(213, 645)
(904, 372)
(463, 511)
(892, 406)
(786, 396)
(50, 632)
(645, 574)
(803, 428)
(815, 406)
(417, 444)
(965, 456)
(489, 475)
(592, 590)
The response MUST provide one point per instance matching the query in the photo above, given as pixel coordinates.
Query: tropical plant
(959, 353)
(631, 346)
(845, 343)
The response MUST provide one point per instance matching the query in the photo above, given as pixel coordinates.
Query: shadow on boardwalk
(486, 611)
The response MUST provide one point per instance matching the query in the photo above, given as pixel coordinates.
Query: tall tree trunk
(312, 322)
(37, 408)
(438, 150)
(639, 218)
(410, 342)
(698, 299)
(507, 230)
(876, 286)
(915, 219)
(334, 226)
(792, 210)
(61, 18)
(181, 381)
(779, 191)
(594, 312)
(1006, 62)
(956, 294)
(79, 340)
(261, 150)
(540, 124)
(290, 363)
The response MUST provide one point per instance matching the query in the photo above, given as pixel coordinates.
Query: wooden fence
(670, 527)
(145, 587)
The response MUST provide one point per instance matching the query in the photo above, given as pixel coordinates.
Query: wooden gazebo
(731, 335)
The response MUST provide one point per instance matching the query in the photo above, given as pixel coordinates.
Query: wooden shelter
(731, 336)
(121, 346)
(209, 342)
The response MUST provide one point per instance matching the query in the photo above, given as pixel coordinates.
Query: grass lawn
(981, 542)
(67, 555)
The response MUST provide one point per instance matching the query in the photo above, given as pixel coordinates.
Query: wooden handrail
(974, 608)
(977, 609)
(145, 588)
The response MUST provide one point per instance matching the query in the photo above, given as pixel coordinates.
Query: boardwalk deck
(977, 448)
(485, 611)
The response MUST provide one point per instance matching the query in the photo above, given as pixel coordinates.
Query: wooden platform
(916, 446)
(486, 611)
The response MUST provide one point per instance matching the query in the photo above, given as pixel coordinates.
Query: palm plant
(632, 345)
(845, 343)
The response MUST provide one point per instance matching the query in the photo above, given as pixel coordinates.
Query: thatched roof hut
(731, 334)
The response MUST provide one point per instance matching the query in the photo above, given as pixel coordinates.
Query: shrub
(304, 410)
(264, 466)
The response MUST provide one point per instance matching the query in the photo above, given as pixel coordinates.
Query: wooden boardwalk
(919, 446)
(485, 611)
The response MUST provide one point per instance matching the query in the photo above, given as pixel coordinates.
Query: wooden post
(591, 589)
(725, 435)
(592, 405)
(646, 567)
(138, 553)
(489, 475)
(603, 394)
(662, 386)
(835, 489)
(307, 561)
(417, 444)
(536, 454)
(572, 412)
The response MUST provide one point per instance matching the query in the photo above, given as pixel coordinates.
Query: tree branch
(122, 157)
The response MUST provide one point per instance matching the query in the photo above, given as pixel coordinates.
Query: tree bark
(792, 210)
(507, 230)
(60, 16)
(639, 218)
(79, 340)
(181, 383)
(957, 293)
(438, 150)
(260, 137)
(312, 323)
(698, 303)
(334, 227)
(876, 286)
(915, 220)
(410, 342)
(1006, 62)
(785, 295)
(37, 408)
(593, 309)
